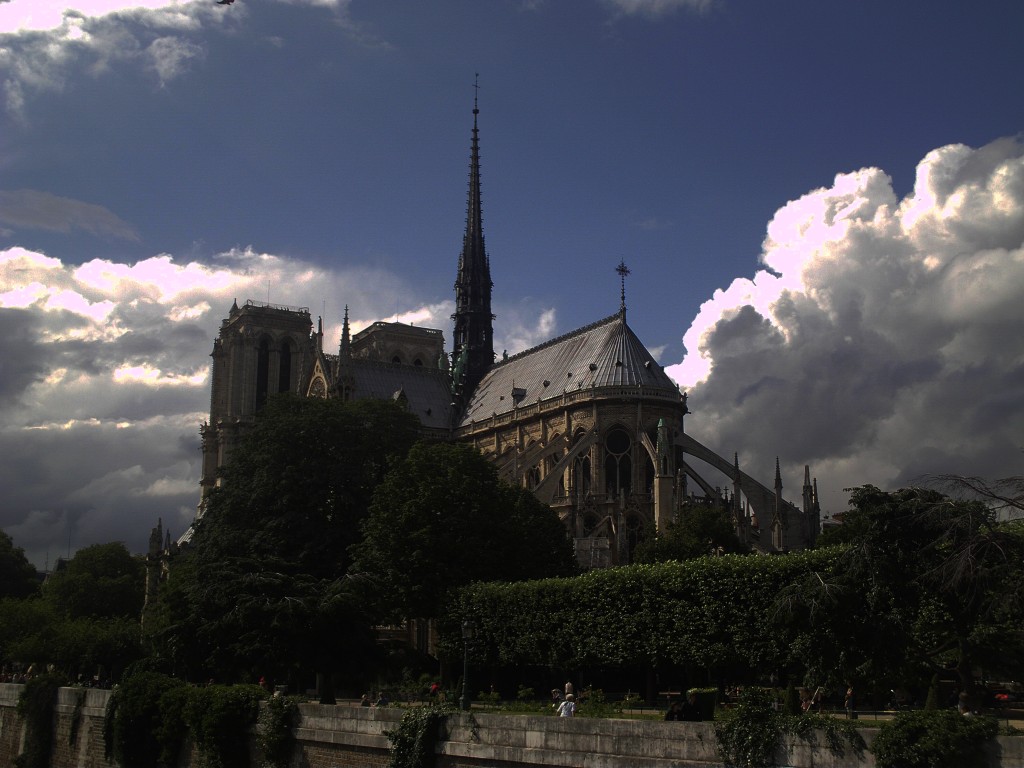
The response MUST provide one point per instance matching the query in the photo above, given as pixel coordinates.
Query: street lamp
(467, 635)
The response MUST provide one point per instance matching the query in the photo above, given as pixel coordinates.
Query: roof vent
(593, 366)
(618, 363)
(647, 364)
(547, 383)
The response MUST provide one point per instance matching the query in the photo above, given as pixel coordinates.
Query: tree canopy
(86, 622)
(925, 584)
(442, 519)
(100, 581)
(263, 588)
(17, 575)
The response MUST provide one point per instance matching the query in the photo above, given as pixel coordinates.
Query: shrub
(219, 717)
(933, 739)
(414, 740)
(274, 735)
(750, 735)
(136, 728)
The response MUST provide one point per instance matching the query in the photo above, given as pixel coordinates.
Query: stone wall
(354, 737)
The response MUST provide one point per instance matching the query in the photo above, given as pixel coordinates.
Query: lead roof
(601, 355)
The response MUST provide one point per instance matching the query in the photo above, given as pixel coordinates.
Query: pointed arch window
(618, 464)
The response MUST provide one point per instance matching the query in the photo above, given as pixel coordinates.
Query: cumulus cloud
(881, 341)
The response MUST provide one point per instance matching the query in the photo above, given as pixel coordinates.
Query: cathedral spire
(345, 348)
(473, 334)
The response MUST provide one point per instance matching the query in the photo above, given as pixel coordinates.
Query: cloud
(657, 8)
(44, 43)
(882, 338)
(31, 209)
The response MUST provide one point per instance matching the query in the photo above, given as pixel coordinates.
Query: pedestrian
(568, 707)
(568, 688)
(850, 704)
(674, 712)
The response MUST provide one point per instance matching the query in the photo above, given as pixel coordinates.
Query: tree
(263, 589)
(17, 575)
(442, 519)
(926, 583)
(86, 622)
(100, 581)
(701, 529)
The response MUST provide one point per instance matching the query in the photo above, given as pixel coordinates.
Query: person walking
(568, 707)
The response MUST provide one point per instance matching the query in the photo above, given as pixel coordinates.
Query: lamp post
(467, 635)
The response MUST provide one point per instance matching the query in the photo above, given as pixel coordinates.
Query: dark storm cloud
(22, 357)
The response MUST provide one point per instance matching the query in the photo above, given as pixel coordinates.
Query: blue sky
(824, 199)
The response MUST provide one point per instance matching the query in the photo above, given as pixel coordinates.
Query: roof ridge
(559, 339)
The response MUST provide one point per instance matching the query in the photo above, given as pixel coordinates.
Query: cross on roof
(623, 270)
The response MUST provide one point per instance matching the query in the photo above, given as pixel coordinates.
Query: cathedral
(588, 421)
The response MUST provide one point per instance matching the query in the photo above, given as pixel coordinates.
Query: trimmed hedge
(709, 612)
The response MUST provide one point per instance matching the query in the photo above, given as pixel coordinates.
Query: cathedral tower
(473, 351)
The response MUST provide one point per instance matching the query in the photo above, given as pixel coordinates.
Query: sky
(821, 205)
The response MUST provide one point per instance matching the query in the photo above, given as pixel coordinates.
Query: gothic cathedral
(588, 421)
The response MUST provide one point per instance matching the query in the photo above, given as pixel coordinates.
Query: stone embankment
(354, 737)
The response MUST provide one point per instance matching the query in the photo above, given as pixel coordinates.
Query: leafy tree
(925, 583)
(17, 574)
(701, 529)
(100, 581)
(263, 588)
(87, 620)
(442, 519)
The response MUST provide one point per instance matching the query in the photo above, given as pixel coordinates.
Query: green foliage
(219, 718)
(700, 529)
(100, 581)
(17, 575)
(35, 707)
(698, 612)
(264, 585)
(274, 736)
(442, 519)
(143, 727)
(750, 735)
(149, 714)
(413, 742)
(86, 618)
(933, 739)
(924, 583)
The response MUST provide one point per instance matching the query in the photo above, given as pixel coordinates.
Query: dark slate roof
(425, 389)
(606, 354)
